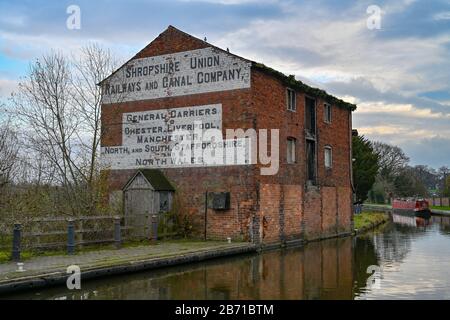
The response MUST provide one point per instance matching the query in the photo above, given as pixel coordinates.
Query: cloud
(432, 151)
(232, 2)
(14, 20)
(407, 110)
(327, 49)
(442, 16)
(364, 91)
(7, 86)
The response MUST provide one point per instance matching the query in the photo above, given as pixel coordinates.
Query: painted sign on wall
(177, 74)
(148, 139)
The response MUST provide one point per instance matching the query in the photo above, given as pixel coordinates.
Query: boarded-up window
(165, 201)
(310, 116)
(291, 100)
(328, 157)
(291, 142)
(327, 110)
(311, 161)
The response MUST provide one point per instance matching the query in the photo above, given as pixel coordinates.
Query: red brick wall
(329, 211)
(313, 214)
(344, 209)
(321, 210)
(270, 212)
(293, 198)
(280, 198)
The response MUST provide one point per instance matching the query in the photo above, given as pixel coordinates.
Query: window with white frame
(327, 115)
(291, 101)
(328, 157)
(290, 156)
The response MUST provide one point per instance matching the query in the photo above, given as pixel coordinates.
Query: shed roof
(155, 177)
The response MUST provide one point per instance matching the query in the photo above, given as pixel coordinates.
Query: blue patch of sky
(12, 68)
(416, 20)
(439, 95)
(103, 18)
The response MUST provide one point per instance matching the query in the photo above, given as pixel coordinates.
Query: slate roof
(156, 178)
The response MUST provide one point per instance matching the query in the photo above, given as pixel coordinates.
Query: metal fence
(58, 233)
(439, 201)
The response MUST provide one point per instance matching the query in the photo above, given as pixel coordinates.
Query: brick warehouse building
(311, 195)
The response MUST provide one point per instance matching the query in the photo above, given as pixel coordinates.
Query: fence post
(251, 231)
(154, 227)
(117, 235)
(70, 237)
(17, 234)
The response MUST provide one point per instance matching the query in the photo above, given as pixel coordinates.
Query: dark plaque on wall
(219, 200)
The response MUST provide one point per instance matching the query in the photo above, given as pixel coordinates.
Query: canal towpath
(53, 270)
(41, 271)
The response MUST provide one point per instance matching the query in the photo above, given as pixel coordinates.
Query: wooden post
(17, 234)
(251, 232)
(154, 228)
(206, 215)
(117, 235)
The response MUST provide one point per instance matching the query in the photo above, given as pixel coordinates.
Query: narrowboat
(413, 207)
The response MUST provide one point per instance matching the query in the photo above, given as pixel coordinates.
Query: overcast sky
(399, 75)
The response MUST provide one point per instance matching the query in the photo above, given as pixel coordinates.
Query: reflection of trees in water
(391, 245)
(443, 222)
(364, 256)
(395, 242)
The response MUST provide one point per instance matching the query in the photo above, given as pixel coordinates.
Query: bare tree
(392, 160)
(58, 109)
(443, 173)
(9, 149)
(93, 66)
(44, 110)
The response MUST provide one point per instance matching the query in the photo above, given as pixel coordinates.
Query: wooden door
(139, 208)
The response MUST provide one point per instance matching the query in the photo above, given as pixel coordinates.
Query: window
(328, 158)
(327, 108)
(291, 101)
(310, 116)
(164, 201)
(311, 161)
(291, 150)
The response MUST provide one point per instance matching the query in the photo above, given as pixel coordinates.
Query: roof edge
(288, 80)
(293, 83)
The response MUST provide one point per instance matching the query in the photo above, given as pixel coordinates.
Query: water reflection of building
(410, 221)
(320, 270)
(332, 269)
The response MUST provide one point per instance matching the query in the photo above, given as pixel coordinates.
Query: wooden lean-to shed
(147, 193)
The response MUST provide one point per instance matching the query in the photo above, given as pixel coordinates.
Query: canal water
(408, 258)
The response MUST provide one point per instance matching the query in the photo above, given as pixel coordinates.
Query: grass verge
(440, 208)
(368, 220)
